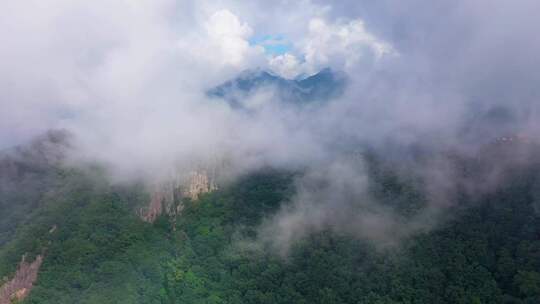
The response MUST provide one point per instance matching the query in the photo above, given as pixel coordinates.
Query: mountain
(320, 87)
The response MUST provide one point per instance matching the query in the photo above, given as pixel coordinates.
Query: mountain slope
(96, 249)
(26, 174)
(319, 87)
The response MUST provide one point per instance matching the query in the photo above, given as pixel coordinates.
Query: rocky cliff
(167, 197)
(199, 182)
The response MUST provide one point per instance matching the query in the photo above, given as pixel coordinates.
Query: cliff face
(155, 207)
(167, 197)
(20, 285)
(199, 183)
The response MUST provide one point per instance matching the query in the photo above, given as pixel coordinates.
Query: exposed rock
(199, 183)
(21, 284)
(163, 200)
(154, 208)
(167, 197)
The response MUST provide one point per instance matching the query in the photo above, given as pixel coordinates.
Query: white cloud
(343, 43)
(71, 62)
(286, 65)
(229, 36)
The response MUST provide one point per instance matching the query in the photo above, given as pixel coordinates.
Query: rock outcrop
(199, 183)
(167, 197)
(18, 288)
(155, 207)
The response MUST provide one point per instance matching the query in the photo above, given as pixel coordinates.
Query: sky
(66, 60)
(128, 79)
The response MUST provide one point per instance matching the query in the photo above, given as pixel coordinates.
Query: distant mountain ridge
(320, 87)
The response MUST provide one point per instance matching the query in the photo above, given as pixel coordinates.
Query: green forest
(97, 250)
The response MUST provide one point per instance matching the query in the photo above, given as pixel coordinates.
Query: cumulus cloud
(230, 36)
(286, 65)
(344, 45)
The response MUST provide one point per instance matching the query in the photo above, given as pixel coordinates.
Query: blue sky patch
(272, 44)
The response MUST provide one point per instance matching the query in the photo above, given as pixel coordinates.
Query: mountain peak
(319, 87)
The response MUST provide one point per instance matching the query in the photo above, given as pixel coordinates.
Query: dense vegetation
(488, 254)
(100, 252)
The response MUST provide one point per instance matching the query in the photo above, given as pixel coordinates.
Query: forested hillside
(97, 250)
